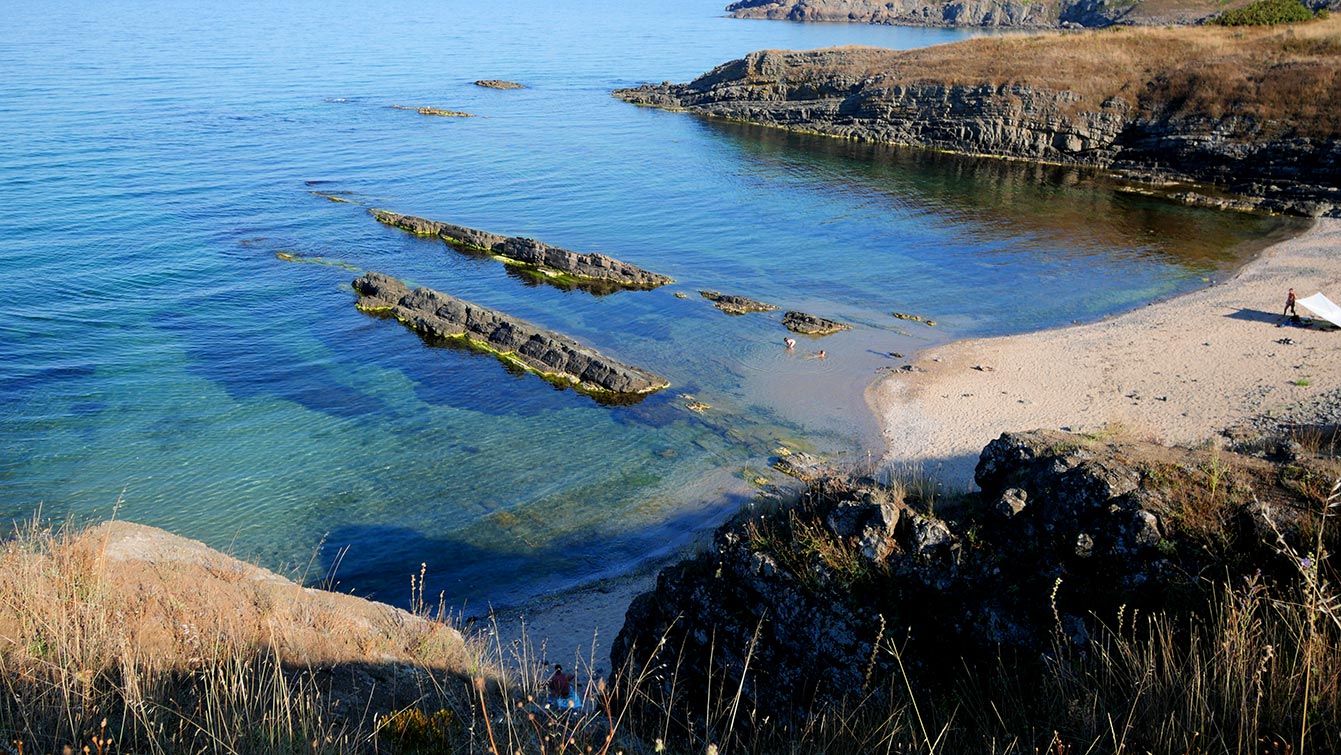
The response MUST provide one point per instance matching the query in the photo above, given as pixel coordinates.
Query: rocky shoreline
(1149, 138)
(1028, 14)
(556, 358)
(593, 272)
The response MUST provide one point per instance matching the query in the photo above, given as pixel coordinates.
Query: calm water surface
(157, 156)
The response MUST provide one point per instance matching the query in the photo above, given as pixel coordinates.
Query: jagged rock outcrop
(557, 358)
(1280, 165)
(1001, 13)
(800, 322)
(498, 84)
(550, 261)
(1068, 530)
(735, 305)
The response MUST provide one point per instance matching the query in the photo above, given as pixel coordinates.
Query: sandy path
(1179, 371)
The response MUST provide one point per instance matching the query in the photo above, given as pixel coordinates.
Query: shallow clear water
(154, 348)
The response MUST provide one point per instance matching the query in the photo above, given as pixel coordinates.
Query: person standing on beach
(560, 684)
(1289, 305)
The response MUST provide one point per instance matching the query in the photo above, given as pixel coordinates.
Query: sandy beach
(1180, 371)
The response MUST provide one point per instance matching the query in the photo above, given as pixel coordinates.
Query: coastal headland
(1026, 14)
(1235, 118)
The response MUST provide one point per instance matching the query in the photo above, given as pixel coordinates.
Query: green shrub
(1265, 13)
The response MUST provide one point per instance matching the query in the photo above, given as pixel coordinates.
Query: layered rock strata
(990, 13)
(858, 94)
(551, 261)
(810, 325)
(557, 358)
(735, 305)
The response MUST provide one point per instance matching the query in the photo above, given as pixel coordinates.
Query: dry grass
(1287, 75)
(1258, 673)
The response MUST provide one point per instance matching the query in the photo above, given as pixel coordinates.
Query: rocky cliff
(801, 605)
(1262, 125)
(990, 13)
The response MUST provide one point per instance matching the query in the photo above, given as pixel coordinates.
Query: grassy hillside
(1286, 75)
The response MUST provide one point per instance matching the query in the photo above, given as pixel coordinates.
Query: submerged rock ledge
(561, 265)
(736, 305)
(554, 357)
(812, 325)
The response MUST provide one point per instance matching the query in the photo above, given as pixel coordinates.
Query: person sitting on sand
(1289, 305)
(560, 684)
(790, 343)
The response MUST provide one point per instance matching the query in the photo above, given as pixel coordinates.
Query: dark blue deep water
(158, 159)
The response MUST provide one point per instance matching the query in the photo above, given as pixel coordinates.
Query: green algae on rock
(555, 357)
(555, 265)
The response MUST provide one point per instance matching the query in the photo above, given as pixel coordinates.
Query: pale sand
(1180, 371)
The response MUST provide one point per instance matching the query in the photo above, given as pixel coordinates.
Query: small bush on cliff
(1265, 13)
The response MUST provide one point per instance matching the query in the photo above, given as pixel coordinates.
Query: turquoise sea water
(157, 156)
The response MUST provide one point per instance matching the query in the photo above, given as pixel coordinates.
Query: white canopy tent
(1322, 307)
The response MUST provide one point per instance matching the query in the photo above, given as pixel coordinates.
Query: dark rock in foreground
(1069, 531)
(735, 305)
(810, 325)
(498, 84)
(552, 262)
(557, 358)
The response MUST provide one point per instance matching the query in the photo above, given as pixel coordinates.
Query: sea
(184, 196)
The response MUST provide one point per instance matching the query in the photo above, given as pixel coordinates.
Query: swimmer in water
(790, 343)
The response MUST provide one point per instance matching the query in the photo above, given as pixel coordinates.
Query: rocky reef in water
(1255, 129)
(595, 272)
(736, 305)
(557, 358)
(429, 110)
(498, 84)
(812, 325)
(988, 13)
(797, 603)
